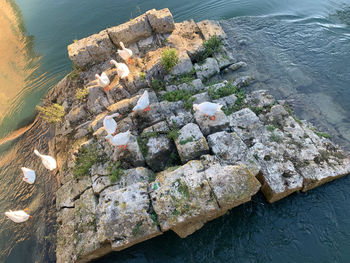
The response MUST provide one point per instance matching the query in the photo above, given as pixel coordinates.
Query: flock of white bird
(110, 125)
(29, 177)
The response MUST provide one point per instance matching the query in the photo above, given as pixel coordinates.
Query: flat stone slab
(191, 143)
(122, 217)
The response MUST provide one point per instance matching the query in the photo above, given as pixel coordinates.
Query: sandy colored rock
(161, 21)
(132, 31)
(210, 28)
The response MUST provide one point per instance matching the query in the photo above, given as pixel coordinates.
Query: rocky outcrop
(180, 168)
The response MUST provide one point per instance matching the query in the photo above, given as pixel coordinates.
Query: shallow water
(300, 50)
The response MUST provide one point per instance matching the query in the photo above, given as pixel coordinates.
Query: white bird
(110, 124)
(18, 216)
(122, 69)
(208, 108)
(103, 81)
(48, 161)
(143, 103)
(121, 139)
(125, 53)
(28, 175)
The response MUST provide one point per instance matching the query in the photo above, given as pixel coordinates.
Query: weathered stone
(146, 44)
(248, 126)
(201, 97)
(97, 101)
(224, 58)
(182, 199)
(179, 119)
(227, 101)
(208, 69)
(243, 81)
(279, 177)
(117, 93)
(230, 149)
(184, 64)
(131, 156)
(79, 54)
(232, 185)
(76, 114)
(210, 28)
(161, 21)
(208, 126)
(122, 215)
(132, 31)
(127, 178)
(98, 121)
(122, 107)
(159, 150)
(237, 65)
(191, 143)
(99, 46)
(260, 98)
(160, 127)
(186, 36)
(144, 119)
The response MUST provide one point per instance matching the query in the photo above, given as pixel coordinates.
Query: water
(300, 50)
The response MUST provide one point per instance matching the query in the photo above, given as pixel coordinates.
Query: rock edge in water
(180, 168)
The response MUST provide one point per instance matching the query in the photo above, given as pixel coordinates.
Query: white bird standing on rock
(121, 139)
(122, 69)
(28, 175)
(18, 216)
(48, 161)
(103, 81)
(143, 103)
(125, 53)
(208, 108)
(110, 124)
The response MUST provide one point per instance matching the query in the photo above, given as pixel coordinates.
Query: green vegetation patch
(183, 95)
(275, 138)
(211, 46)
(183, 78)
(136, 231)
(75, 74)
(143, 140)
(169, 59)
(142, 76)
(115, 172)
(270, 128)
(323, 134)
(157, 85)
(81, 94)
(189, 139)
(224, 91)
(291, 113)
(86, 158)
(53, 113)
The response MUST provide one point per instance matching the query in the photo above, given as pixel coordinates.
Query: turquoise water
(299, 49)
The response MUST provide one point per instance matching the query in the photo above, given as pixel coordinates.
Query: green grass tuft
(169, 59)
(115, 172)
(81, 94)
(157, 85)
(182, 95)
(270, 128)
(87, 157)
(53, 113)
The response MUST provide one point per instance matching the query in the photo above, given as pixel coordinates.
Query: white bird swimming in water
(208, 108)
(18, 216)
(48, 161)
(121, 139)
(110, 124)
(28, 175)
(125, 53)
(122, 69)
(103, 81)
(143, 103)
